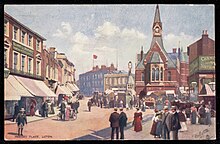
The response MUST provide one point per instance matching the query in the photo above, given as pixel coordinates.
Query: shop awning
(72, 87)
(108, 91)
(19, 88)
(35, 87)
(206, 91)
(63, 90)
(76, 87)
(149, 93)
(11, 92)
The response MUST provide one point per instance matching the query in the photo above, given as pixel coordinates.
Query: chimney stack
(204, 32)
(141, 53)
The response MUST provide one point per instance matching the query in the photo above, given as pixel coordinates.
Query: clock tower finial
(157, 25)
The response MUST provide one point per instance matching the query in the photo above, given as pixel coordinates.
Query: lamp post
(6, 75)
(145, 73)
(194, 84)
(128, 85)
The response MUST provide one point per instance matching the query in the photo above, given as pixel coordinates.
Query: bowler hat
(121, 108)
(173, 107)
(115, 108)
(22, 109)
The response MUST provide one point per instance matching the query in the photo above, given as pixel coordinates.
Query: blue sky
(83, 30)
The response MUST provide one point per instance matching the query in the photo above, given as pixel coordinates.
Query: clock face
(157, 29)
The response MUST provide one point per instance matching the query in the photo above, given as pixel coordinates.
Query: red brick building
(158, 70)
(202, 61)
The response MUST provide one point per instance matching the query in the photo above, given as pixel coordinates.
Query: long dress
(154, 126)
(32, 111)
(193, 115)
(67, 112)
(137, 121)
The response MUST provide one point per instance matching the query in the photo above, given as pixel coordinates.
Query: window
(22, 63)
(153, 74)
(23, 37)
(142, 76)
(119, 80)
(47, 71)
(169, 76)
(30, 40)
(38, 67)
(29, 65)
(5, 58)
(38, 45)
(15, 61)
(157, 74)
(106, 80)
(15, 33)
(6, 27)
(161, 74)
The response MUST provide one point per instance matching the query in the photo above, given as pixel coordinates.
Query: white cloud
(172, 41)
(107, 29)
(65, 31)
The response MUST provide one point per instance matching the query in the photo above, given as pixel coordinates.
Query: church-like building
(158, 70)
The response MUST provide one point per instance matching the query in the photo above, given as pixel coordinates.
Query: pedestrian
(202, 116)
(143, 108)
(193, 115)
(77, 106)
(114, 123)
(89, 104)
(101, 102)
(122, 122)
(21, 121)
(131, 104)
(175, 123)
(154, 124)
(182, 119)
(121, 103)
(16, 111)
(52, 108)
(188, 115)
(158, 119)
(68, 110)
(166, 123)
(62, 110)
(208, 115)
(45, 108)
(137, 122)
(42, 110)
(32, 109)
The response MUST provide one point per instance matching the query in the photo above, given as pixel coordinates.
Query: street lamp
(145, 73)
(194, 84)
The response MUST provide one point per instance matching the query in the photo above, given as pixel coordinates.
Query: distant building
(202, 61)
(93, 80)
(117, 80)
(158, 70)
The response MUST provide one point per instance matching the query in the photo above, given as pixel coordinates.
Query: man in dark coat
(77, 106)
(122, 123)
(89, 104)
(114, 120)
(175, 123)
(16, 111)
(62, 110)
(45, 109)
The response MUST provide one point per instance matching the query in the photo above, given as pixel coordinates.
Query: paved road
(52, 129)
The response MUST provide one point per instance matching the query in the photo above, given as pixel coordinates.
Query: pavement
(94, 125)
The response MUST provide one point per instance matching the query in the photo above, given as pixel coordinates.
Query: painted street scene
(109, 72)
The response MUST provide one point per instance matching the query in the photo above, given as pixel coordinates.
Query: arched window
(161, 74)
(142, 76)
(157, 74)
(153, 74)
(169, 75)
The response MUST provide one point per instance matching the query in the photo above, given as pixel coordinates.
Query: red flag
(94, 56)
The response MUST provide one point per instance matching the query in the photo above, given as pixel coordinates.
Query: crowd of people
(176, 120)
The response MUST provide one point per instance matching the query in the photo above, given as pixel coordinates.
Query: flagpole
(93, 61)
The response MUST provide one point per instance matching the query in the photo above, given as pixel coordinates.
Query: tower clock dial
(157, 30)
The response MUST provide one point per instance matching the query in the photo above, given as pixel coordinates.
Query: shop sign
(206, 63)
(22, 49)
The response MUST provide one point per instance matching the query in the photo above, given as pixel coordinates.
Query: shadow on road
(105, 134)
(12, 133)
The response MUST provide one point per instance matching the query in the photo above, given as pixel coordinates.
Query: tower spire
(157, 15)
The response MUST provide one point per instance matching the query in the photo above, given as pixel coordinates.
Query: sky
(115, 33)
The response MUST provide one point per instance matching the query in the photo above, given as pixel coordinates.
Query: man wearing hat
(114, 120)
(122, 122)
(21, 121)
(166, 123)
(175, 123)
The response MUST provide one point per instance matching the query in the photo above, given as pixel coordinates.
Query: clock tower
(157, 25)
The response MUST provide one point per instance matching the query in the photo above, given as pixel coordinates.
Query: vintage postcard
(109, 72)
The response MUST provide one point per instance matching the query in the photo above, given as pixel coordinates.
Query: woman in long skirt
(138, 120)
(68, 112)
(154, 124)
